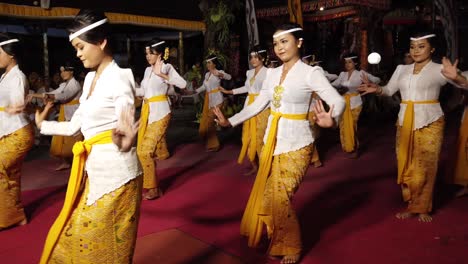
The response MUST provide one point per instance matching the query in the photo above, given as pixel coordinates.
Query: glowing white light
(374, 58)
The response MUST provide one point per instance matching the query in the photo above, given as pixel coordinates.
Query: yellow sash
(81, 151)
(203, 129)
(2, 109)
(145, 115)
(61, 116)
(249, 139)
(348, 123)
(405, 147)
(251, 224)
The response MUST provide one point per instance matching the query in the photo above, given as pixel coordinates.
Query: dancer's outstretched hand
(322, 117)
(221, 120)
(41, 116)
(449, 70)
(124, 134)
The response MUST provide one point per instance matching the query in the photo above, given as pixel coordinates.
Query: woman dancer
(253, 129)
(67, 94)
(347, 82)
(420, 123)
(16, 132)
(156, 113)
(288, 143)
(98, 224)
(213, 97)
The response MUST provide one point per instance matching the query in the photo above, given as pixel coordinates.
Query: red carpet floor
(346, 208)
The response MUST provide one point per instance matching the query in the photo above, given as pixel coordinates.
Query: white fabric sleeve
(392, 85)
(66, 128)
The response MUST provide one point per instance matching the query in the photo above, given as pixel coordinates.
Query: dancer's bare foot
(152, 194)
(63, 166)
(252, 171)
(213, 149)
(22, 223)
(462, 192)
(426, 218)
(290, 259)
(317, 164)
(405, 215)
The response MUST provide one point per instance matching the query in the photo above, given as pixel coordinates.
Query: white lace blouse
(299, 84)
(255, 87)
(153, 85)
(418, 87)
(66, 92)
(13, 89)
(352, 83)
(108, 169)
(210, 83)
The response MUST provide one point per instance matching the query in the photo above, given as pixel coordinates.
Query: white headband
(423, 37)
(315, 62)
(286, 32)
(210, 59)
(305, 57)
(157, 44)
(256, 52)
(8, 41)
(352, 57)
(87, 28)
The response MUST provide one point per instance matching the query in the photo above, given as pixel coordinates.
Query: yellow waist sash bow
(251, 224)
(203, 129)
(145, 115)
(81, 150)
(405, 146)
(61, 116)
(348, 123)
(249, 139)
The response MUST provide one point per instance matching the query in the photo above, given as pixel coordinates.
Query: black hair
(159, 49)
(298, 35)
(261, 53)
(68, 66)
(85, 18)
(13, 49)
(216, 62)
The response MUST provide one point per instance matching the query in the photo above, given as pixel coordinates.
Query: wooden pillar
(181, 54)
(45, 54)
(364, 49)
(129, 46)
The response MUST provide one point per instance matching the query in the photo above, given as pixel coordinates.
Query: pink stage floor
(346, 209)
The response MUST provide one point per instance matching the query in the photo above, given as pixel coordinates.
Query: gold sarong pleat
(13, 149)
(251, 224)
(348, 125)
(81, 150)
(249, 136)
(61, 146)
(406, 142)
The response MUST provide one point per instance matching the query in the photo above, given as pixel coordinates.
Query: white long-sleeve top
(210, 83)
(255, 87)
(153, 85)
(66, 92)
(418, 87)
(299, 84)
(13, 89)
(107, 167)
(352, 83)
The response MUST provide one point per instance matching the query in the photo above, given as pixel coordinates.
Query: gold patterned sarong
(252, 221)
(155, 132)
(348, 125)
(249, 136)
(81, 151)
(13, 149)
(262, 123)
(61, 146)
(460, 175)
(417, 183)
(207, 129)
(104, 232)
